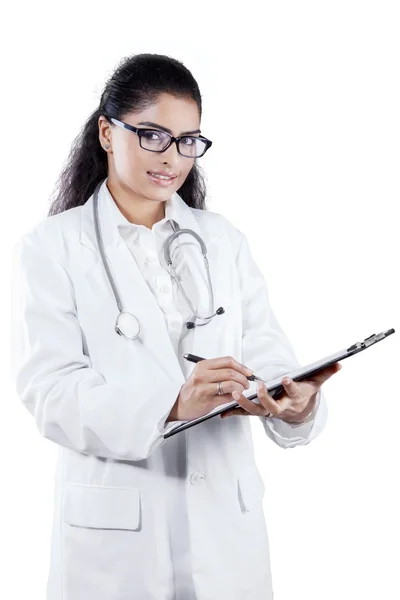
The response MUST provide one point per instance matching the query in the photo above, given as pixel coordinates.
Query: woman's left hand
(294, 406)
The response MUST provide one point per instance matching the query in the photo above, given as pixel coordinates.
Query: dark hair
(135, 85)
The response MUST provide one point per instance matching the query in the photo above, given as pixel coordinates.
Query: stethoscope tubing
(166, 246)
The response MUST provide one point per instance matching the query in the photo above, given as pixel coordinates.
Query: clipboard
(275, 387)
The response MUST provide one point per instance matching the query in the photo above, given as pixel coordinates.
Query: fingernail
(286, 381)
(248, 371)
(236, 395)
(260, 386)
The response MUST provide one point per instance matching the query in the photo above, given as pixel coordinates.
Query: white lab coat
(104, 399)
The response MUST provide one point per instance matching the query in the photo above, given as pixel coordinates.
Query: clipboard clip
(372, 339)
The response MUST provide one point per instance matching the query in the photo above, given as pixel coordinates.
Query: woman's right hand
(199, 394)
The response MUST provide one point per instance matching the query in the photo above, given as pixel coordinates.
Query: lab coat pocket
(101, 535)
(251, 524)
(251, 489)
(101, 507)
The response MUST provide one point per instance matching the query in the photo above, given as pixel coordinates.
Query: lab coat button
(164, 289)
(150, 259)
(196, 478)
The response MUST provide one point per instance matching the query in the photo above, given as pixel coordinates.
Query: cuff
(150, 420)
(162, 426)
(288, 435)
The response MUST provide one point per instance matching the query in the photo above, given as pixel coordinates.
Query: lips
(162, 173)
(161, 182)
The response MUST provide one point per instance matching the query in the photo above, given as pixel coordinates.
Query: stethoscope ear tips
(192, 324)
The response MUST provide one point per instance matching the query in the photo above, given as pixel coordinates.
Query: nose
(171, 154)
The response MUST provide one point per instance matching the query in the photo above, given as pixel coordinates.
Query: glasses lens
(157, 141)
(192, 147)
(154, 140)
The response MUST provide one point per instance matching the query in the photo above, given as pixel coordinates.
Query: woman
(138, 515)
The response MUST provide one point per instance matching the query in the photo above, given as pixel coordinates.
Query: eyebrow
(150, 124)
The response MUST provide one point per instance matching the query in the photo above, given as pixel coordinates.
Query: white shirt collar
(171, 213)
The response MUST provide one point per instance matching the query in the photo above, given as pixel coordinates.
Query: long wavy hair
(135, 85)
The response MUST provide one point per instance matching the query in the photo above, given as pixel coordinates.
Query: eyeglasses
(155, 140)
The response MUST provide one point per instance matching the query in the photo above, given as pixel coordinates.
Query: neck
(136, 209)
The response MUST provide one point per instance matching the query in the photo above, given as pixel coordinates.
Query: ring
(220, 392)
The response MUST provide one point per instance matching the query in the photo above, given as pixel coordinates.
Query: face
(129, 163)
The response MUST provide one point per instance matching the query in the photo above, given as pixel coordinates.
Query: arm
(268, 352)
(71, 402)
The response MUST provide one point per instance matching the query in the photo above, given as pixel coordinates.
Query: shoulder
(52, 233)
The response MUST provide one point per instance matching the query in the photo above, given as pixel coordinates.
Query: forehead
(178, 115)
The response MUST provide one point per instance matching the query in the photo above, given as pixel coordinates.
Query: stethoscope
(127, 324)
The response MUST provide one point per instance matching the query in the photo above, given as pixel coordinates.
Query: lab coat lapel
(204, 338)
(136, 297)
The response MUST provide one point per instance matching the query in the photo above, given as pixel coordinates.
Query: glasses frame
(138, 131)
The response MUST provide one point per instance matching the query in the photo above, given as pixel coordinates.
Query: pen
(195, 359)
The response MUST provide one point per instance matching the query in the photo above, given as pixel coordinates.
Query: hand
(294, 406)
(199, 394)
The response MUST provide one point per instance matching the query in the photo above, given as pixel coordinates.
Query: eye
(188, 141)
(151, 135)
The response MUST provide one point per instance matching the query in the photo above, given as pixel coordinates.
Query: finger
(271, 405)
(211, 389)
(325, 374)
(227, 375)
(228, 362)
(292, 389)
(234, 412)
(249, 406)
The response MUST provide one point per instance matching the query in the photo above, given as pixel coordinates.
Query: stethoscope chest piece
(127, 325)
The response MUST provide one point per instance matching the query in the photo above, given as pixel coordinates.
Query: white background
(301, 100)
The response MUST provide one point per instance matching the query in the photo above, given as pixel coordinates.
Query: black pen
(195, 359)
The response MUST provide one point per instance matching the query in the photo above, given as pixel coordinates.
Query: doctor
(137, 516)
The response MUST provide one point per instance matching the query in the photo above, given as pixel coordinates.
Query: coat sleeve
(70, 401)
(267, 351)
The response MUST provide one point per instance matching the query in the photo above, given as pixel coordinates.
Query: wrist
(305, 416)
